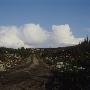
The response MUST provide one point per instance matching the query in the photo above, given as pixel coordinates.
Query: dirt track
(33, 77)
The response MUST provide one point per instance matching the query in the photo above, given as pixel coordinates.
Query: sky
(51, 18)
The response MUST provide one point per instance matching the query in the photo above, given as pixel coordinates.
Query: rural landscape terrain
(44, 44)
(62, 68)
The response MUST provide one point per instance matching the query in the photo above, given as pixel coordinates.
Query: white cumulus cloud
(34, 36)
(63, 35)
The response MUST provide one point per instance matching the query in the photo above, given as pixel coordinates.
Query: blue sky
(76, 13)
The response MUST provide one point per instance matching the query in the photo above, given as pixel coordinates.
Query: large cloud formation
(34, 36)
